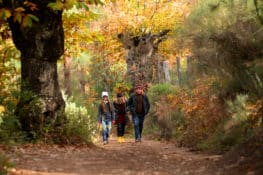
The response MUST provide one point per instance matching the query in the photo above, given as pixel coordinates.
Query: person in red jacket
(120, 107)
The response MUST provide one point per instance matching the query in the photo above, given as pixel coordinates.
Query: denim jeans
(138, 120)
(106, 129)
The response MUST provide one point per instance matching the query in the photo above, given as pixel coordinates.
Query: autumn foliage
(219, 105)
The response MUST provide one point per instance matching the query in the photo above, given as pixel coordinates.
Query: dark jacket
(132, 104)
(120, 112)
(107, 115)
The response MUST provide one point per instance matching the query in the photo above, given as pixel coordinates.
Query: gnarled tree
(37, 32)
(142, 58)
(41, 44)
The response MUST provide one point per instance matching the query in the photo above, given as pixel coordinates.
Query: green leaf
(30, 23)
(5, 13)
(56, 5)
(52, 5)
(33, 17)
(85, 6)
(100, 2)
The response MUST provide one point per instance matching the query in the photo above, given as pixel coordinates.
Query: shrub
(10, 129)
(244, 121)
(162, 89)
(5, 164)
(80, 127)
(165, 114)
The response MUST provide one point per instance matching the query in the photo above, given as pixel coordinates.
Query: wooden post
(158, 70)
(166, 71)
(178, 65)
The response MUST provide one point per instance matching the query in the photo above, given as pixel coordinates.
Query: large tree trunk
(41, 46)
(142, 56)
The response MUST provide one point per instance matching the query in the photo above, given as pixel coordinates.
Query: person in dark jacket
(139, 106)
(120, 107)
(105, 116)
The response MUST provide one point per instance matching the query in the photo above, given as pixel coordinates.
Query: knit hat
(104, 93)
(119, 95)
(138, 86)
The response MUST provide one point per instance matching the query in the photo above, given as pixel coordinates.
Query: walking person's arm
(147, 104)
(131, 105)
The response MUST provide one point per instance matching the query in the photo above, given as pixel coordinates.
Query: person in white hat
(104, 93)
(105, 116)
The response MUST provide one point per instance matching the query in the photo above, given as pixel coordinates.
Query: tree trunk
(41, 46)
(142, 56)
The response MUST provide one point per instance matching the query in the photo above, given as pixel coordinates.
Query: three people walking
(108, 114)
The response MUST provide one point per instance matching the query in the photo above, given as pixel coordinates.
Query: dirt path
(148, 157)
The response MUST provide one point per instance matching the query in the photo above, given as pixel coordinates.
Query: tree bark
(142, 56)
(41, 46)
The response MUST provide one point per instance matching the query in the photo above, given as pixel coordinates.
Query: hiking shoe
(105, 142)
(138, 140)
(122, 139)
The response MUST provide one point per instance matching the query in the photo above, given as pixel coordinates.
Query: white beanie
(104, 93)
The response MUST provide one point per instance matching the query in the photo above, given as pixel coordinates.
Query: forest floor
(129, 158)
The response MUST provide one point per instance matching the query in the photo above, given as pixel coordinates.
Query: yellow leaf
(7, 13)
(69, 4)
(19, 9)
(25, 21)
(2, 109)
(18, 17)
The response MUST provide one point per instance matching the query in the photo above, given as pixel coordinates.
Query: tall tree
(140, 22)
(143, 61)
(41, 45)
(37, 32)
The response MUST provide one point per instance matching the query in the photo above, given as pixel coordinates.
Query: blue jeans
(138, 120)
(106, 129)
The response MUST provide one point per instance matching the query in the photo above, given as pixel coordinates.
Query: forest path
(129, 158)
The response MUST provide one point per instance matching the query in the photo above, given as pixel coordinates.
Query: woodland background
(212, 100)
